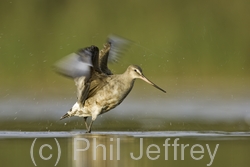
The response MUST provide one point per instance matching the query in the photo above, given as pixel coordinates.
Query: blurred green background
(198, 51)
(175, 38)
(193, 49)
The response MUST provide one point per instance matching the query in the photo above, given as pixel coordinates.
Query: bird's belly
(106, 100)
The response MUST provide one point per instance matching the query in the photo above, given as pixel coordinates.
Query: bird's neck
(127, 80)
(125, 85)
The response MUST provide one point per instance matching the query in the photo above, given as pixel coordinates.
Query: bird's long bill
(151, 83)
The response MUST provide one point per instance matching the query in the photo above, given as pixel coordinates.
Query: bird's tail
(65, 116)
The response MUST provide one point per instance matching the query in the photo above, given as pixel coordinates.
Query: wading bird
(98, 90)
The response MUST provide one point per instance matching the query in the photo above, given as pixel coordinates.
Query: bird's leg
(85, 121)
(90, 125)
(94, 116)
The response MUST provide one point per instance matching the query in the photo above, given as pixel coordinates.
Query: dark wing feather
(97, 81)
(112, 49)
(78, 66)
(103, 59)
(82, 85)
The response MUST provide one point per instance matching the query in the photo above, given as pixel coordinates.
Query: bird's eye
(135, 70)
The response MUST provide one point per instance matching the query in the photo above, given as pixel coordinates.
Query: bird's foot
(88, 131)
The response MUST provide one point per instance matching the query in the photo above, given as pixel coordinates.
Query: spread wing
(79, 67)
(74, 65)
(114, 47)
(88, 67)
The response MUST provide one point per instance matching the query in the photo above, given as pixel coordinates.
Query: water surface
(122, 148)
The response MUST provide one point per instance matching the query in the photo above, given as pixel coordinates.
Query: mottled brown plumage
(98, 90)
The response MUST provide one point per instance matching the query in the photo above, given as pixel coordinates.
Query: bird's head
(136, 72)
